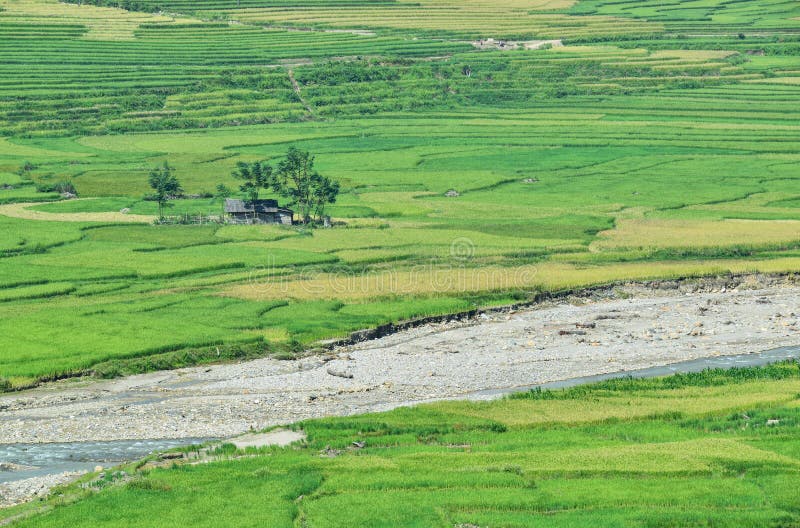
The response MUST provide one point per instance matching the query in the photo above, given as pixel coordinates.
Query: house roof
(233, 205)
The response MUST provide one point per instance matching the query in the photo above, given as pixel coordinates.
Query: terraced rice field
(644, 147)
(715, 16)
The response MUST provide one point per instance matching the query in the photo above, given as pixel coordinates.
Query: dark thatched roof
(259, 206)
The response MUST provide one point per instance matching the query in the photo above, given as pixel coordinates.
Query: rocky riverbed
(618, 329)
(19, 491)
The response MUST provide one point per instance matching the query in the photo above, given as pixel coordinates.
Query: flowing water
(47, 459)
(684, 367)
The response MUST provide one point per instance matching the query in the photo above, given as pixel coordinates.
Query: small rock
(339, 373)
(602, 317)
(329, 452)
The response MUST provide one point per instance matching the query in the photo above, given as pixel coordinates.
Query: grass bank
(326, 324)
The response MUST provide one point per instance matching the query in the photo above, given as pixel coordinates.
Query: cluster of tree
(127, 5)
(65, 187)
(294, 178)
(342, 72)
(165, 186)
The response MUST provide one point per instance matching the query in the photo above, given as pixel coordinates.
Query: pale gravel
(20, 491)
(438, 361)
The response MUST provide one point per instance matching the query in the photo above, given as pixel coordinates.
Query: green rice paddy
(657, 142)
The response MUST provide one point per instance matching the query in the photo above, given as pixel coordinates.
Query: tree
(254, 177)
(308, 190)
(325, 192)
(223, 192)
(165, 185)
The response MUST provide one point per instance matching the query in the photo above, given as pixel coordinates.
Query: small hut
(257, 212)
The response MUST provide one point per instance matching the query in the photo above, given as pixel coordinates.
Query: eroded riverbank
(648, 330)
(620, 329)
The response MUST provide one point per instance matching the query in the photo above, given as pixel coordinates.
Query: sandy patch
(21, 210)
(278, 437)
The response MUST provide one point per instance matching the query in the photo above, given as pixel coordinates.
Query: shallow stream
(47, 459)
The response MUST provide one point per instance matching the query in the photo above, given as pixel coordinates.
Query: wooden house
(257, 212)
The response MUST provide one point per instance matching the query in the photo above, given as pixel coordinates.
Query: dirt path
(296, 88)
(623, 329)
(310, 29)
(21, 210)
(500, 44)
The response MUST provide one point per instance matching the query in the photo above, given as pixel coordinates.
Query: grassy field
(657, 142)
(717, 448)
